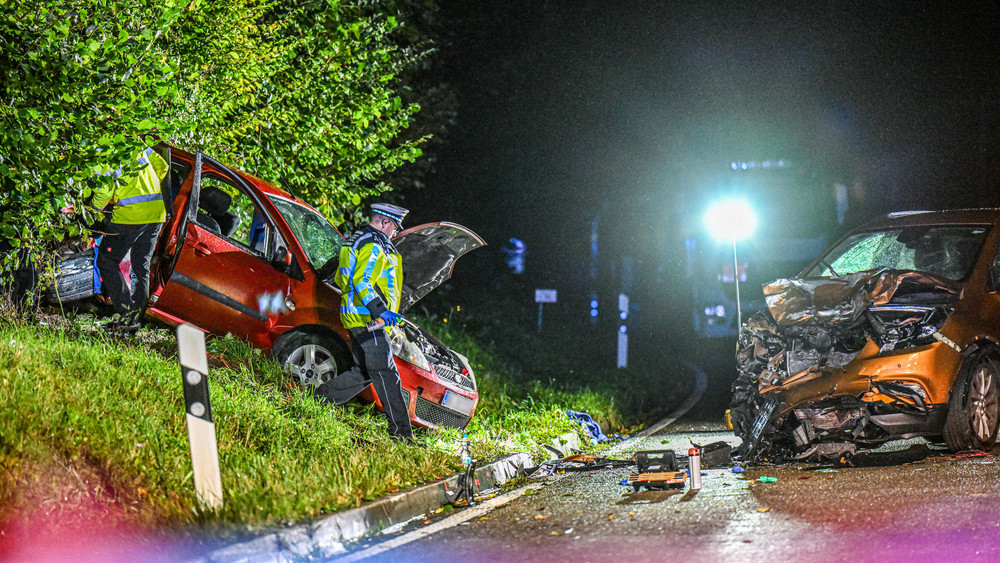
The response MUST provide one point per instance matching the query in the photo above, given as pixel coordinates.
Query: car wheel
(973, 409)
(312, 359)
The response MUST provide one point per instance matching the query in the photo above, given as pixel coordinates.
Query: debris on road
(577, 462)
(716, 454)
(694, 467)
(658, 480)
(589, 425)
(657, 470)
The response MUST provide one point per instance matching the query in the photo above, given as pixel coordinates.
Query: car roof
(981, 216)
(259, 183)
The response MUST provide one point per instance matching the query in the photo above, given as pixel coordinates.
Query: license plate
(457, 402)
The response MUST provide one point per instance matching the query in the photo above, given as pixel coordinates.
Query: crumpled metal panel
(842, 300)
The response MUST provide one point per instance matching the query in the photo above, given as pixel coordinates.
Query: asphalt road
(942, 507)
(939, 508)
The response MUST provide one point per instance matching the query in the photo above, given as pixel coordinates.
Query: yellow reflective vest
(137, 200)
(370, 277)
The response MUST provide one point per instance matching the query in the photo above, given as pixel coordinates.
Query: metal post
(736, 278)
(201, 429)
(540, 317)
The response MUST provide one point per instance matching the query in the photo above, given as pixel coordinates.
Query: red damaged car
(238, 255)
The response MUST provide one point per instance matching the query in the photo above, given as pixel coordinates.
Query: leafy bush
(304, 91)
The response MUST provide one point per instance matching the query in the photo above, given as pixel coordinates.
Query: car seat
(228, 223)
(213, 204)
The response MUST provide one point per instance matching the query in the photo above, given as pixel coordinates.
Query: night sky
(568, 109)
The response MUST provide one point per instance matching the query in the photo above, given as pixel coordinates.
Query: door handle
(201, 250)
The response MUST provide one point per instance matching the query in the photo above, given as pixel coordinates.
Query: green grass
(112, 410)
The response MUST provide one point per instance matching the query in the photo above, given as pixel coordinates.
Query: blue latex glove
(390, 318)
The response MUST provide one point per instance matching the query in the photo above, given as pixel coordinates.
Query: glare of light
(622, 329)
(720, 311)
(623, 315)
(730, 220)
(593, 303)
(593, 312)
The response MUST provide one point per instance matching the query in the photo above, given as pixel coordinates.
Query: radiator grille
(445, 372)
(436, 414)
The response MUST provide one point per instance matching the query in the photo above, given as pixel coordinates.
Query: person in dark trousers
(370, 277)
(135, 226)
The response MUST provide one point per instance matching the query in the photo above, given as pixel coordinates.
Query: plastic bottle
(464, 451)
(694, 467)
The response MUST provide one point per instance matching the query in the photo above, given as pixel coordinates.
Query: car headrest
(214, 201)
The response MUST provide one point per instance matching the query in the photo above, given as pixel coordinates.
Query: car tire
(311, 358)
(974, 408)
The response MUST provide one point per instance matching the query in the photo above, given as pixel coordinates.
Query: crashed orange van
(893, 332)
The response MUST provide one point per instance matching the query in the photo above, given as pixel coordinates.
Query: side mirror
(283, 256)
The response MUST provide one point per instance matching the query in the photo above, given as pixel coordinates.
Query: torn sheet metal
(843, 300)
(812, 330)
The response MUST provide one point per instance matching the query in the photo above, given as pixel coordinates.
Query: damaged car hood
(843, 300)
(429, 254)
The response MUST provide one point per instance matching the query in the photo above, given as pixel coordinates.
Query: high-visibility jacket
(137, 200)
(370, 277)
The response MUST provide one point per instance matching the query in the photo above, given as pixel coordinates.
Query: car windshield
(944, 251)
(316, 235)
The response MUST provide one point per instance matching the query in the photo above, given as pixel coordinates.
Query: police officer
(370, 277)
(135, 225)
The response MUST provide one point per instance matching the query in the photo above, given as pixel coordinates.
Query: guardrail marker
(201, 430)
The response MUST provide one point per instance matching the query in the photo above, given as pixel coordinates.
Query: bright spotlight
(730, 220)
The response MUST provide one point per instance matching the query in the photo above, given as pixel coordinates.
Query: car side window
(226, 210)
(995, 272)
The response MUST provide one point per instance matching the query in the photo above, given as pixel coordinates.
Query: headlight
(896, 327)
(407, 351)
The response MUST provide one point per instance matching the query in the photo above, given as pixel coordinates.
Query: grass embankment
(86, 416)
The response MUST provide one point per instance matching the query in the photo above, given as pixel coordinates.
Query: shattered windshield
(316, 235)
(947, 251)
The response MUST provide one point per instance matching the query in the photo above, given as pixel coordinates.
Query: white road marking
(449, 522)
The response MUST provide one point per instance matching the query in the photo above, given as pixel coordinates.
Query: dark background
(631, 112)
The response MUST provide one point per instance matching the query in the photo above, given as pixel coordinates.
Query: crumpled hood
(842, 300)
(429, 254)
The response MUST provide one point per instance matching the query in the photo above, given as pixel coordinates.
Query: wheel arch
(317, 330)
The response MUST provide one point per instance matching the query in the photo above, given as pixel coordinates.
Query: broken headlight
(895, 327)
(407, 351)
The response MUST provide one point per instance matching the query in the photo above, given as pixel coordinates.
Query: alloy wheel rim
(312, 365)
(983, 399)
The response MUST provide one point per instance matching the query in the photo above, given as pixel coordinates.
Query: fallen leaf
(541, 516)
(805, 477)
(553, 533)
(611, 516)
(764, 509)
(631, 513)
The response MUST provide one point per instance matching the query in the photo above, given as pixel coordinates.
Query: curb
(327, 538)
